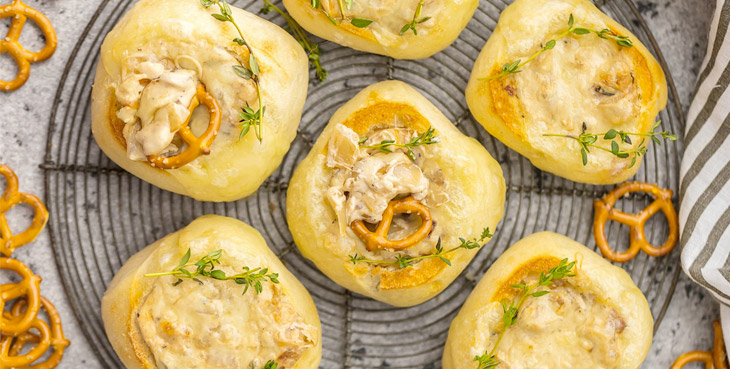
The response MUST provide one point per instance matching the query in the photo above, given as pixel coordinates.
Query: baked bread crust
(541, 251)
(448, 19)
(240, 243)
(565, 87)
(476, 189)
(235, 168)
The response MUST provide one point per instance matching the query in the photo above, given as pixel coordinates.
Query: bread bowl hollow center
(373, 164)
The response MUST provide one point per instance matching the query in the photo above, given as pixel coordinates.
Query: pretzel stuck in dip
(604, 211)
(11, 197)
(715, 359)
(11, 44)
(196, 145)
(378, 240)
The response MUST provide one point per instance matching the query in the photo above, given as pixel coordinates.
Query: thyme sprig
(251, 72)
(564, 269)
(416, 20)
(302, 37)
(588, 140)
(404, 261)
(514, 67)
(426, 138)
(271, 364)
(357, 22)
(205, 267)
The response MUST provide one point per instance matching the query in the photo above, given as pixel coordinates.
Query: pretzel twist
(29, 288)
(196, 145)
(379, 239)
(11, 197)
(11, 347)
(716, 359)
(604, 211)
(10, 44)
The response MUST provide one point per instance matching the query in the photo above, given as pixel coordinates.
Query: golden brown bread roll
(596, 319)
(342, 182)
(436, 27)
(583, 81)
(166, 322)
(149, 69)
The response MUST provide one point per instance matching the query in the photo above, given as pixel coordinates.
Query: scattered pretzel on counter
(11, 198)
(196, 145)
(716, 359)
(28, 288)
(11, 44)
(604, 211)
(47, 337)
(21, 325)
(379, 239)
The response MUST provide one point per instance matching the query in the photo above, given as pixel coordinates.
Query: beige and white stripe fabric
(704, 192)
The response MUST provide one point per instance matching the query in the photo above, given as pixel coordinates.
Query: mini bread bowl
(442, 21)
(465, 195)
(564, 328)
(584, 83)
(187, 42)
(163, 322)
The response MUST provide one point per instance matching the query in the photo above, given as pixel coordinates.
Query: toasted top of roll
(346, 179)
(169, 321)
(595, 319)
(584, 82)
(151, 63)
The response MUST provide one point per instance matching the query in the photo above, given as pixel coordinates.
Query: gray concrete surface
(679, 25)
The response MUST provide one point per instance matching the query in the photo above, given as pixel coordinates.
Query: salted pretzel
(604, 211)
(715, 359)
(11, 197)
(196, 145)
(379, 239)
(10, 44)
(47, 336)
(29, 288)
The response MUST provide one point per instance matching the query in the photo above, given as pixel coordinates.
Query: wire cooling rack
(101, 215)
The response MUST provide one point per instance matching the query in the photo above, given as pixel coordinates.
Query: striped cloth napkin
(704, 191)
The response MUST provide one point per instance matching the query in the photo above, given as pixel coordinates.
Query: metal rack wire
(101, 215)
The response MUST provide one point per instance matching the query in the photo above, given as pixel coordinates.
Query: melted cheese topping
(561, 330)
(212, 325)
(582, 80)
(388, 16)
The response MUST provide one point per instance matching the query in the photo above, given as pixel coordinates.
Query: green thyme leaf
(514, 67)
(205, 267)
(360, 22)
(404, 261)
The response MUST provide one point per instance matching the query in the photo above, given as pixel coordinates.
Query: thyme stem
(206, 267)
(616, 137)
(302, 37)
(404, 261)
(564, 269)
(514, 67)
(251, 72)
(427, 138)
